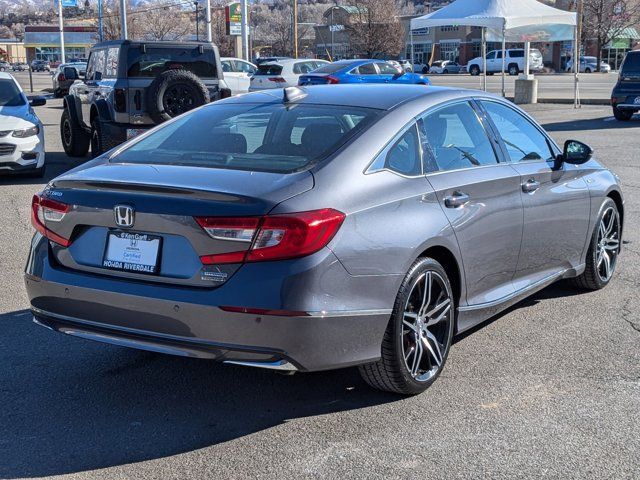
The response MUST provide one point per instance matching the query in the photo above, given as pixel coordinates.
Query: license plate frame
(145, 251)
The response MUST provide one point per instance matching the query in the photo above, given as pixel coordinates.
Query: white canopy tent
(507, 21)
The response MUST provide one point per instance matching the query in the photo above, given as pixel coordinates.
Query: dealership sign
(233, 19)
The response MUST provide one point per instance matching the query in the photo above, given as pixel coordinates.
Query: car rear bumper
(189, 321)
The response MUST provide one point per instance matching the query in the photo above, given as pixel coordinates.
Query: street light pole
(295, 28)
(61, 27)
(244, 29)
(208, 20)
(123, 20)
(197, 23)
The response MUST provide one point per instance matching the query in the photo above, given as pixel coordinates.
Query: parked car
(62, 78)
(625, 98)
(446, 66)
(40, 66)
(361, 71)
(4, 66)
(406, 65)
(305, 230)
(131, 86)
(283, 73)
(19, 67)
(21, 131)
(589, 65)
(237, 74)
(514, 62)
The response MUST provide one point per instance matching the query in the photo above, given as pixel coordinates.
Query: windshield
(10, 95)
(266, 138)
(269, 69)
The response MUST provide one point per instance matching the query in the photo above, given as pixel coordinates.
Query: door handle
(456, 199)
(530, 185)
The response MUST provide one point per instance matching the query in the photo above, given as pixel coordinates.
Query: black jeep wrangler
(130, 86)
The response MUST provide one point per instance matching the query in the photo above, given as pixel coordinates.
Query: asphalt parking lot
(549, 389)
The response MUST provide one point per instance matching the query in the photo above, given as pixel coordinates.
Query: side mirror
(575, 153)
(37, 101)
(70, 73)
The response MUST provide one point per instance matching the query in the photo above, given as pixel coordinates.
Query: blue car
(361, 71)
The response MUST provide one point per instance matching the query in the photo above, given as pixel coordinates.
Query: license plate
(134, 132)
(132, 252)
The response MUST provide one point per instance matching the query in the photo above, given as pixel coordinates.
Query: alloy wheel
(608, 244)
(179, 98)
(426, 322)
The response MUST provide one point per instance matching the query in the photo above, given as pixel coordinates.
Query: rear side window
(523, 140)
(516, 53)
(264, 137)
(631, 63)
(454, 138)
(269, 70)
(157, 60)
(304, 67)
(331, 67)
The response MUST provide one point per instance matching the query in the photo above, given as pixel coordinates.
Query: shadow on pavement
(70, 405)
(56, 164)
(606, 123)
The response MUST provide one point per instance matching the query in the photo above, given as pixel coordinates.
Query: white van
(514, 63)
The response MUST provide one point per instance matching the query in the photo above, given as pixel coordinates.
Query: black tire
(57, 93)
(445, 71)
(622, 115)
(38, 172)
(101, 141)
(592, 278)
(474, 70)
(75, 139)
(174, 92)
(587, 70)
(425, 70)
(391, 373)
(513, 70)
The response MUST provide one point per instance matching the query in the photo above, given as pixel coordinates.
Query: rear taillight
(273, 237)
(332, 80)
(46, 210)
(277, 79)
(61, 77)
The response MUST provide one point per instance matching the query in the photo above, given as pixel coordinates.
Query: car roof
(377, 96)
(288, 61)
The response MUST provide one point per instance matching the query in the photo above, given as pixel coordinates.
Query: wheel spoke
(426, 293)
(416, 359)
(612, 244)
(607, 264)
(612, 220)
(438, 307)
(408, 354)
(410, 325)
(434, 321)
(431, 343)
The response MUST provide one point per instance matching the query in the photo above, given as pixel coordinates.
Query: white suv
(514, 63)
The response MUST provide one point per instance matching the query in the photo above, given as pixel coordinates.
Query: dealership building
(42, 42)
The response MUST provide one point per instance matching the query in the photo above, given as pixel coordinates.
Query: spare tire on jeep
(174, 92)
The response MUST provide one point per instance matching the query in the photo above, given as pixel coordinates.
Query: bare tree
(374, 28)
(606, 20)
(165, 24)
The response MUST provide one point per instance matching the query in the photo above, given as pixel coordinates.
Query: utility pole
(295, 28)
(61, 27)
(123, 20)
(244, 30)
(332, 28)
(208, 20)
(100, 28)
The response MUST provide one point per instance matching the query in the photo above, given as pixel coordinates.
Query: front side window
(265, 137)
(244, 67)
(96, 64)
(454, 138)
(386, 69)
(227, 67)
(522, 139)
(491, 56)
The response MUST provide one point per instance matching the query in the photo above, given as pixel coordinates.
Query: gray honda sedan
(319, 228)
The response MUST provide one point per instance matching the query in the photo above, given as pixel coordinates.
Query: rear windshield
(266, 138)
(631, 63)
(269, 70)
(10, 95)
(157, 60)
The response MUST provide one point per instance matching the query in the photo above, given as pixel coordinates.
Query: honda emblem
(124, 215)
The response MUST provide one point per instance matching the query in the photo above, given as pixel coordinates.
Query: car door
(230, 75)
(491, 62)
(90, 89)
(365, 73)
(245, 70)
(479, 195)
(387, 73)
(556, 201)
